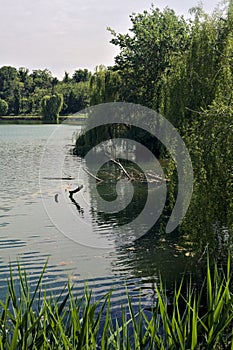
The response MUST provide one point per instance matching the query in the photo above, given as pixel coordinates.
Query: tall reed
(197, 319)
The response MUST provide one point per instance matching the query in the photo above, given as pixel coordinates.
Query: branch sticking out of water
(72, 192)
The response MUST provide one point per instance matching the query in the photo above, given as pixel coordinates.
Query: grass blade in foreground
(29, 321)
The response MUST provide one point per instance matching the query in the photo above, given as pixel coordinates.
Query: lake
(40, 221)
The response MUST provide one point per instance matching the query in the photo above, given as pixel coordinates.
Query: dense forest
(22, 92)
(182, 68)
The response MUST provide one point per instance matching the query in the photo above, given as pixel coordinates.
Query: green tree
(9, 88)
(26, 105)
(3, 107)
(54, 84)
(25, 91)
(51, 107)
(16, 101)
(66, 78)
(23, 74)
(42, 78)
(104, 85)
(76, 96)
(81, 75)
(198, 99)
(155, 38)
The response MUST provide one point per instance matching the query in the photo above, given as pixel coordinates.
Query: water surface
(99, 255)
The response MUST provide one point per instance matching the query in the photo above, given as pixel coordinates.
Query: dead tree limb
(157, 177)
(121, 166)
(72, 192)
(89, 173)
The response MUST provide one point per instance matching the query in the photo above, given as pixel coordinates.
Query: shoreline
(38, 118)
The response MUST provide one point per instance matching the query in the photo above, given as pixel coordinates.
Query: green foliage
(104, 86)
(210, 137)
(8, 78)
(31, 319)
(155, 37)
(184, 70)
(42, 78)
(3, 107)
(76, 96)
(66, 78)
(51, 107)
(9, 88)
(81, 75)
(24, 91)
(191, 83)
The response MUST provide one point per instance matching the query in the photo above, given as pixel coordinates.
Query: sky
(65, 35)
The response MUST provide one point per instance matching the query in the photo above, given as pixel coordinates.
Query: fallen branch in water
(89, 173)
(59, 178)
(78, 207)
(157, 177)
(121, 166)
(72, 192)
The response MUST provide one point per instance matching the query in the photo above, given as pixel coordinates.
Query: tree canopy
(23, 91)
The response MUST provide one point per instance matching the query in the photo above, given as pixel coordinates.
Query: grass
(35, 320)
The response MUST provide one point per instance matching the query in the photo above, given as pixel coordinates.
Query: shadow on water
(156, 254)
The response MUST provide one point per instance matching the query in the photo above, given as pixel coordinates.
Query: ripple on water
(11, 243)
(56, 277)
(20, 190)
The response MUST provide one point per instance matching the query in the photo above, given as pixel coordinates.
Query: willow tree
(104, 86)
(189, 84)
(218, 128)
(208, 131)
(3, 107)
(51, 107)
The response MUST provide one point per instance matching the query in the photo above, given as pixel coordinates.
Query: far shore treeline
(182, 68)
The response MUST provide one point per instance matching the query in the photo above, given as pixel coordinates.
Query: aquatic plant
(196, 319)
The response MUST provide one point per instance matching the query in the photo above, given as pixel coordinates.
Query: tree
(23, 74)
(51, 107)
(8, 78)
(3, 107)
(76, 96)
(54, 83)
(16, 101)
(198, 99)
(155, 38)
(104, 85)
(9, 86)
(66, 78)
(42, 78)
(26, 105)
(81, 75)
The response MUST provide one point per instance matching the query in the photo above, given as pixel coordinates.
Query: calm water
(38, 220)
